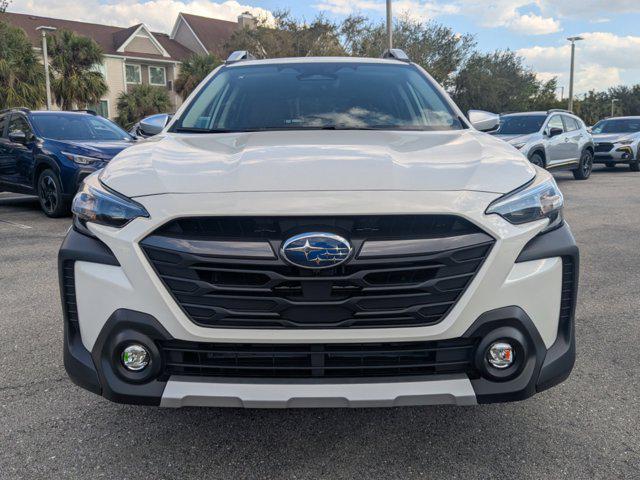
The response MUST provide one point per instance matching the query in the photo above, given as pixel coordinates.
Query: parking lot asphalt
(588, 427)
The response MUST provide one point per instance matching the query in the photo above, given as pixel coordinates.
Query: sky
(609, 55)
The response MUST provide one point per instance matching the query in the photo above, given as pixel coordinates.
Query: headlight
(98, 204)
(537, 200)
(81, 159)
(624, 142)
(519, 145)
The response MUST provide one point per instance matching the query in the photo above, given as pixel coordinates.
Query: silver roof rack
(396, 54)
(238, 56)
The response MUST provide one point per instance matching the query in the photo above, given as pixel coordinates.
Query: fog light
(135, 357)
(500, 355)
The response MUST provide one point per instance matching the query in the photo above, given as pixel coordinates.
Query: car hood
(104, 150)
(514, 139)
(614, 137)
(317, 161)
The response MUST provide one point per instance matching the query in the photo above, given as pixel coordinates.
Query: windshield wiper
(208, 130)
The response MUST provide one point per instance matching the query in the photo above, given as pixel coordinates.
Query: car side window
(555, 122)
(3, 124)
(570, 124)
(19, 123)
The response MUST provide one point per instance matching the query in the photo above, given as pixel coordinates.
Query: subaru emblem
(316, 250)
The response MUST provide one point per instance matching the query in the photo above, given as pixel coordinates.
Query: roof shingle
(108, 37)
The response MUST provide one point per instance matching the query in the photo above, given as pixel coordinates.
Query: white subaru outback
(319, 232)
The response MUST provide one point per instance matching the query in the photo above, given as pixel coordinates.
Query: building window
(100, 68)
(101, 108)
(133, 73)
(157, 76)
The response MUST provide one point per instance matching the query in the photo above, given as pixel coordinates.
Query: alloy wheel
(48, 193)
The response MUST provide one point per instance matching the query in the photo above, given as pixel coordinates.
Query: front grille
(603, 147)
(232, 291)
(319, 360)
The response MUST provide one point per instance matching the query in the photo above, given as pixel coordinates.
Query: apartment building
(135, 55)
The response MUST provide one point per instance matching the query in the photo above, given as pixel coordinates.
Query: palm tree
(21, 74)
(192, 71)
(73, 61)
(141, 101)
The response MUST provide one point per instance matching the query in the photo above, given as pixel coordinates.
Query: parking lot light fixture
(45, 57)
(573, 41)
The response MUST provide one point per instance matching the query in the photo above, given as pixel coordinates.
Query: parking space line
(19, 225)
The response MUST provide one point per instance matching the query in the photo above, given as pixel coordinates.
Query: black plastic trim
(556, 243)
(509, 323)
(79, 247)
(129, 326)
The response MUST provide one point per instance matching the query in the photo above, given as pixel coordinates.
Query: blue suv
(49, 153)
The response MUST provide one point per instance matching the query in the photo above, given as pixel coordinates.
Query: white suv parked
(319, 232)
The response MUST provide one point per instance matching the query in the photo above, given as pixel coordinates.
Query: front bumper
(519, 289)
(623, 154)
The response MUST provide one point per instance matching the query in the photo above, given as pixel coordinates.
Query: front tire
(634, 165)
(50, 195)
(585, 167)
(537, 159)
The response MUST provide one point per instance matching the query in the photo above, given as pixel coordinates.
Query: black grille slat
(417, 289)
(603, 147)
(318, 360)
(69, 291)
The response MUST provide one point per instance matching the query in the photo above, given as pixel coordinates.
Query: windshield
(520, 124)
(628, 125)
(318, 96)
(77, 127)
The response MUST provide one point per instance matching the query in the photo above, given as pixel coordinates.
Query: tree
(288, 37)
(141, 101)
(192, 71)
(73, 61)
(21, 74)
(500, 82)
(3, 5)
(435, 47)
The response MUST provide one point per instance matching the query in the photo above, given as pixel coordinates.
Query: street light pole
(573, 41)
(389, 26)
(613, 102)
(45, 57)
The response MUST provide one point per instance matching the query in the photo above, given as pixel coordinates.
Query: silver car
(617, 141)
(555, 139)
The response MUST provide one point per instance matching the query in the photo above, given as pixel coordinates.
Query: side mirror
(484, 121)
(590, 129)
(554, 132)
(18, 136)
(154, 124)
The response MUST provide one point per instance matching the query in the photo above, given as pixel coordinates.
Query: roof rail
(238, 56)
(396, 54)
(559, 110)
(13, 109)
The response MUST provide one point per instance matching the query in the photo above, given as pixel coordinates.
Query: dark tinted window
(61, 126)
(626, 125)
(3, 124)
(320, 95)
(19, 124)
(570, 124)
(520, 124)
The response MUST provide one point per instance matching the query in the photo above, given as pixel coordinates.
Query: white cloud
(603, 60)
(533, 24)
(159, 15)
